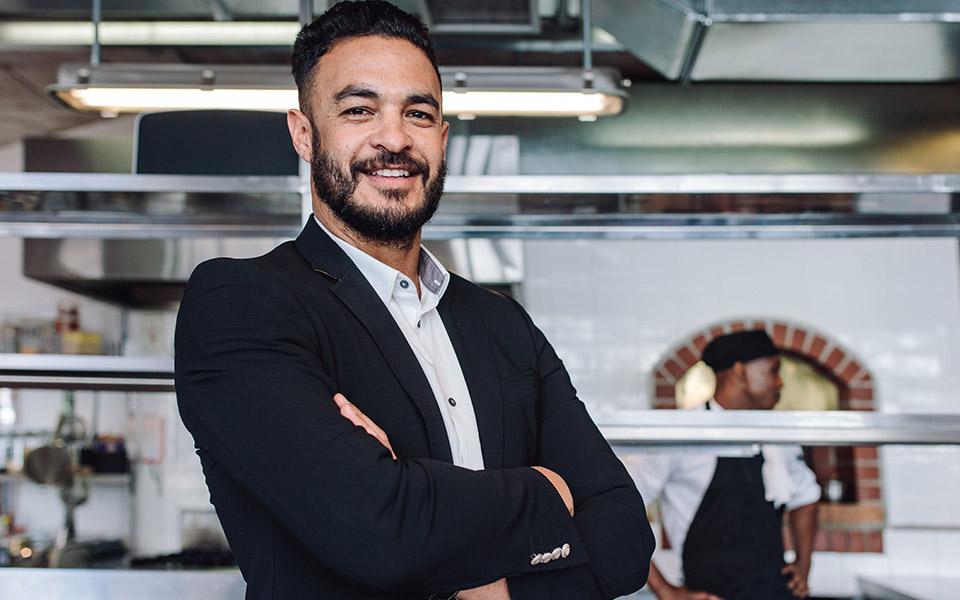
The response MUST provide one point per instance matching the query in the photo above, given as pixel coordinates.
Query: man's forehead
(358, 50)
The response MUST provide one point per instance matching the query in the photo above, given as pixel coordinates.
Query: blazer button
(565, 551)
(556, 553)
(535, 559)
(546, 557)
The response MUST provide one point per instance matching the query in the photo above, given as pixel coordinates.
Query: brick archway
(851, 526)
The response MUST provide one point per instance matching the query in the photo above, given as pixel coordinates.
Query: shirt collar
(434, 278)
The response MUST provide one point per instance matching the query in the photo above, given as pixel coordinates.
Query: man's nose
(391, 133)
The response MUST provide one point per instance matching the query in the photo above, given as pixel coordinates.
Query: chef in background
(722, 507)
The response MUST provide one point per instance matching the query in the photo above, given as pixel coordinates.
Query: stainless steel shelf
(677, 227)
(705, 183)
(121, 182)
(828, 428)
(82, 372)
(105, 479)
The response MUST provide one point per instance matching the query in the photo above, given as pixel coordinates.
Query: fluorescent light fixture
(468, 92)
(153, 33)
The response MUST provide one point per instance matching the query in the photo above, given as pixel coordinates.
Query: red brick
(816, 347)
(797, 339)
(820, 541)
(835, 357)
(836, 541)
(700, 342)
(760, 325)
(779, 334)
(867, 378)
(874, 541)
(688, 357)
(663, 377)
(674, 369)
(866, 491)
(865, 472)
(865, 452)
(861, 393)
(665, 391)
(738, 326)
(850, 371)
(664, 403)
(857, 542)
(716, 332)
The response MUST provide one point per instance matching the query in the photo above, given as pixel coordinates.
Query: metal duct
(790, 40)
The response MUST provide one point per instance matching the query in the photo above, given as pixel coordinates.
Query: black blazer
(314, 507)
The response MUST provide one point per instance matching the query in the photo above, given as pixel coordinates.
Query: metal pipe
(306, 12)
(95, 48)
(587, 38)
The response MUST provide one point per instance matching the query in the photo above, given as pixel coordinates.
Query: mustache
(390, 160)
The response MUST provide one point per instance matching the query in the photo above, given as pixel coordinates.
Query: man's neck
(404, 257)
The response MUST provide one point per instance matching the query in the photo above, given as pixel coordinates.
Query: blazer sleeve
(254, 388)
(609, 512)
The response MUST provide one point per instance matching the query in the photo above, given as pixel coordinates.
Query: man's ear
(739, 371)
(301, 133)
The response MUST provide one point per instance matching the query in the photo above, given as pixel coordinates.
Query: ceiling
(661, 40)
(544, 33)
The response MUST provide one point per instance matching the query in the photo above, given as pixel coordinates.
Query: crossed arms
(257, 367)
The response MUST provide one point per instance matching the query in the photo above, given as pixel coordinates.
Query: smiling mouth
(391, 173)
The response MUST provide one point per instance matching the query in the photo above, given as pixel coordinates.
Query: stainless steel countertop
(912, 587)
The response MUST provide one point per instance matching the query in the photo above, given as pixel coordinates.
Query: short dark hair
(353, 19)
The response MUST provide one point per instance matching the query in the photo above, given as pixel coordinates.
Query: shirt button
(452, 401)
(418, 323)
(404, 284)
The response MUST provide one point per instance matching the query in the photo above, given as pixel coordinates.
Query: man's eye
(419, 114)
(357, 110)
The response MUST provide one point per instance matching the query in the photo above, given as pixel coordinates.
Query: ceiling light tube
(475, 91)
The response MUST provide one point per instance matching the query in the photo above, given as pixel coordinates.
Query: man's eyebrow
(427, 99)
(355, 91)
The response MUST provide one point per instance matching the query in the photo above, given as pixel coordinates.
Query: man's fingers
(356, 416)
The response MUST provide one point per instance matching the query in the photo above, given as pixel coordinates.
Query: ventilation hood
(789, 40)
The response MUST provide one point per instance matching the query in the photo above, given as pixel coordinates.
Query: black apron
(734, 547)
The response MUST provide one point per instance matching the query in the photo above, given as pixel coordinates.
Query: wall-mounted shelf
(120, 206)
(814, 428)
(83, 372)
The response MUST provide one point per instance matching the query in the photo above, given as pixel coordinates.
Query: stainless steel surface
(825, 428)
(703, 183)
(789, 40)
(685, 227)
(152, 273)
(908, 587)
(68, 372)
(110, 584)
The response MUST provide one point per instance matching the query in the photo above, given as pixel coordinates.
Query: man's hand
(359, 419)
(497, 590)
(560, 485)
(798, 579)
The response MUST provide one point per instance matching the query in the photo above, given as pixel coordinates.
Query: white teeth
(392, 173)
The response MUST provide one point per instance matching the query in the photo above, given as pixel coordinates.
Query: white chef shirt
(423, 329)
(679, 476)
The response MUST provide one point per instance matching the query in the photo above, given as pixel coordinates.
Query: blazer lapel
(354, 291)
(470, 342)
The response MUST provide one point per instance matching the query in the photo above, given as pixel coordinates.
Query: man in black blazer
(371, 426)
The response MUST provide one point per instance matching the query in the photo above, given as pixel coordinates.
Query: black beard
(385, 226)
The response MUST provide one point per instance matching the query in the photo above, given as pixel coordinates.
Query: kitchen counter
(913, 587)
(106, 584)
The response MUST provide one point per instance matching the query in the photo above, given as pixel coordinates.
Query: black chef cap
(743, 346)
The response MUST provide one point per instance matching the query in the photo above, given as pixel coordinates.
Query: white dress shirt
(423, 329)
(679, 476)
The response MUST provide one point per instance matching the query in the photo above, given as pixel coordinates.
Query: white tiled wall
(613, 308)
